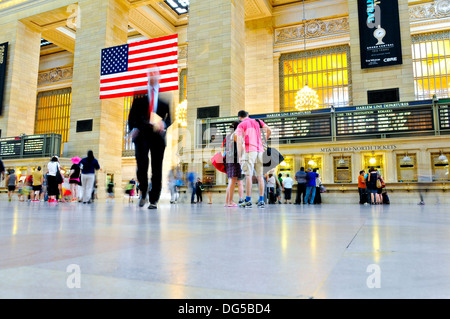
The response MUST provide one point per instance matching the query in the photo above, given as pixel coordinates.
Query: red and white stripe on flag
(124, 68)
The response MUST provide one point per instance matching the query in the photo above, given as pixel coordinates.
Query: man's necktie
(152, 100)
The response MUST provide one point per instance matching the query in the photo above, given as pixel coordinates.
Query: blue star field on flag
(114, 60)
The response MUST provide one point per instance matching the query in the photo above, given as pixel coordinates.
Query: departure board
(287, 128)
(384, 121)
(10, 147)
(33, 146)
(30, 146)
(283, 128)
(444, 117)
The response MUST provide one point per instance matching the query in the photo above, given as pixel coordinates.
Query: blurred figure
(53, 179)
(288, 183)
(75, 177)
(318, 196)
(88, 166)
(198, 190)
(11, 181)
(300, 177)
(38, 179)
(232, 167)
(110, 191)
(148, 121)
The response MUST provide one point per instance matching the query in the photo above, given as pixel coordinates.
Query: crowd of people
(53, 185)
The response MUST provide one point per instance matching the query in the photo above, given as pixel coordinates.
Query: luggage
(386, 199)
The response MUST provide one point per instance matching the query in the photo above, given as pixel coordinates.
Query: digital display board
(30, 146)
(285, 126)
(444, 117)
(384, 121)
(10, 147)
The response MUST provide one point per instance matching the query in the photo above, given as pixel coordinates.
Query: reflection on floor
(208, 251)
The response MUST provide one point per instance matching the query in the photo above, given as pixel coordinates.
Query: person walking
(191, 182)
(148, 121)
(130, 190)
(88, 166)
(310, 186)
(300, 177)
(172, 185)
(288, 183)
(362, 188)
(38, 179)
(11, 181)
(232, 167)
(110, 191)
(53, 179)
(250, 154)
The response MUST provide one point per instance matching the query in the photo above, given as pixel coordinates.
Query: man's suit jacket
(138, 117)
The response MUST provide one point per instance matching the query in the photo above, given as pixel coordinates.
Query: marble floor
(106, 250)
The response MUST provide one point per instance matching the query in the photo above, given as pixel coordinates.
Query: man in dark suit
(148, 123)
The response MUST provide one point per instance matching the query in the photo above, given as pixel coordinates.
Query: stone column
(397, 76)
(259, 67)
(21, 83)
(216, 57)
(103, 23)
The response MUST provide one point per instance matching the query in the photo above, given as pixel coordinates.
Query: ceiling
(148, 18)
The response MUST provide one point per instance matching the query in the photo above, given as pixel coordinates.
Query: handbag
(322, 189)
(59, 178)
(378, 183)
(218, 160)
(271, 156)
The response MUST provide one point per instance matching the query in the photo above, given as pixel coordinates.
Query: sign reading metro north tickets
(379, 33)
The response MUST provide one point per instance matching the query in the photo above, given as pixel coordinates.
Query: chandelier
(181, 114)
(307, 98)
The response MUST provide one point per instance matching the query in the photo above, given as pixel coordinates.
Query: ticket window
(286, 167)
(342, 169)
(406, 168)
(440, 167)
(375, 161)
(313, 162)
(209, 173)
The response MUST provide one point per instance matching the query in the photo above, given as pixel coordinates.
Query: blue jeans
(310, 190)
(194, 191)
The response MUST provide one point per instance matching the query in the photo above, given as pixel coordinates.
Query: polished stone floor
(107, 250)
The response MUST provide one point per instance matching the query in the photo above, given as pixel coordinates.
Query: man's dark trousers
(156, 145)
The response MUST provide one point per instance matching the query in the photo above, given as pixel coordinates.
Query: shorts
(37, 188)
(11, 188)
(252, 161)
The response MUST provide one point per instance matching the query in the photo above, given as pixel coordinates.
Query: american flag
(124, 67)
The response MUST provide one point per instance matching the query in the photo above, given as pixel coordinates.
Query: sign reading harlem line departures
(379, 33)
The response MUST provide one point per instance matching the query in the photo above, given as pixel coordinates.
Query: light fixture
(407, 158)
(306, 99)
(373, 160)
(341, 161)
(181, 114)
(442, 157)
(283, 163)
(311, 163)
